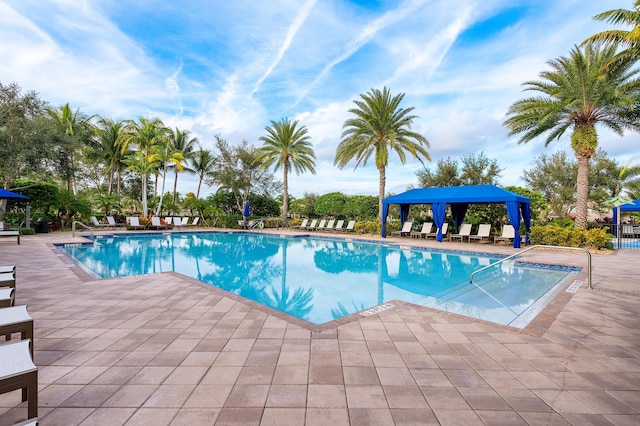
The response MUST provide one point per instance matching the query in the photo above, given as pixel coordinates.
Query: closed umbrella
(246, 213)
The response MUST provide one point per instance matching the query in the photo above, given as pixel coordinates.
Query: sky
(230, 68)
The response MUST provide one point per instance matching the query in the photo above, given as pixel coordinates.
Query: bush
(28, 231)
(367, 227)
(553, 235)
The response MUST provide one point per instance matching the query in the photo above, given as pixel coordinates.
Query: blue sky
(229, 68)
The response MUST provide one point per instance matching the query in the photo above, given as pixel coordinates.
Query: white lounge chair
(134, 222)
(508, 234)
(426, 229)
(112, 222)
(19, 372)
(484, 233)
(155, 223)
(445, 229)
(179, 222)
(329, 226)
(94, 222)
(320, 225)
(194, 221)
(312, 225)
(302, 225)
(465, 232)
(406, 229)
(339, 226)
(350, 226)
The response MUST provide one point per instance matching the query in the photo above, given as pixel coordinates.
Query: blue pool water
(321, 279)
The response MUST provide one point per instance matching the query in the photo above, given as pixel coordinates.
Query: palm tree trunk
(164, 178)
(582, 191)
(144, 195)
(175, 186)
(285, 195)
(383, 179)
(199, 185)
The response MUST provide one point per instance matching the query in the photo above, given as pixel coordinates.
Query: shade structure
(633, 206)
(459, 198)
(4, 194)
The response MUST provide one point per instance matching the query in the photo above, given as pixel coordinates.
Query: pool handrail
(73, 228)
(589, 286)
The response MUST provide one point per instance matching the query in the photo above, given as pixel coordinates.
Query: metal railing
(73, 228)
(534, 247)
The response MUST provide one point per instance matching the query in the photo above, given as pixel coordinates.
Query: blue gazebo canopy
(633, 206)
(459, 198)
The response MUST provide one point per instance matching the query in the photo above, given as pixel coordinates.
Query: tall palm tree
(578, 93)
(144, 134)
(166, 156)
(628, 40)
(107, 149)
(203, 164)
(287, 145)
(380, 126)
(185, 144)
(77, 129)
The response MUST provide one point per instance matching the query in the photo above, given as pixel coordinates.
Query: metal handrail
(531, 248)
(73, 228)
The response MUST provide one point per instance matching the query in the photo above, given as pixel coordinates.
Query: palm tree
(628, 40)
(166, 156)
(203, 164)
(107, 148)
(76, 129)
(288, 146)
(144, 134)
(578, 93)
(183, 143)
(380, 126)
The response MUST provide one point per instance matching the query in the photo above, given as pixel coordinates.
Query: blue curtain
(439, 214)
(526, 215)
(615, 221)
(404, 212)
(385, 213)
(458, 210)
(513, 212)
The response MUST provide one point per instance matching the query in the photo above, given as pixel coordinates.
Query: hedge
(551, 235)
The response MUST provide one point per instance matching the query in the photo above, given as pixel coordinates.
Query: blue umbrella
(11, 195)
(246, 209)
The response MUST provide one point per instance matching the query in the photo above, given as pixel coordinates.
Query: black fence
(628, 236)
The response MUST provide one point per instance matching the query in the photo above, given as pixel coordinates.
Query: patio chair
(16, 319)
(445, 229)
(20, 373)
(350, 226)
(508, 234)
(426, 229)
(194, 221)
(7, 297)
(484, 233)
(339, 226)
(320, 225)
(329, 226)
(302, 225)
(112, 222)
(134, 222)
(8, 269)
(179, 222)
(7, 280)
(312, 225)
(465, 232)
(94, 222)
(11, 234)
(155, 223)
(406, 229)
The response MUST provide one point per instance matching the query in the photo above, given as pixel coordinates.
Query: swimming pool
(321, 279)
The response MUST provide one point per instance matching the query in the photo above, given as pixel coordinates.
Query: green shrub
(553, 235)
(367, 227)
(28, 231)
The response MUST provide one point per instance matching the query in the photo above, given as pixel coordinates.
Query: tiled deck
(164, 349)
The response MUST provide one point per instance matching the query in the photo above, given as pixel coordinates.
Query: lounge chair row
(17, 370)
(156, 223)
(329, 226)
(484, 232)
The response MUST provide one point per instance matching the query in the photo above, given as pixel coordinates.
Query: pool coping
(536, 327)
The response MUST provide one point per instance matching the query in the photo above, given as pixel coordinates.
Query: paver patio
(166, 349)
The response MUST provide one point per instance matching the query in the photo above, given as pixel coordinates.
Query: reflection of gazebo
(459, 198)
